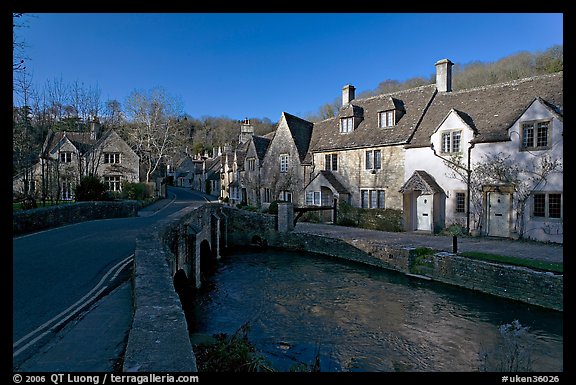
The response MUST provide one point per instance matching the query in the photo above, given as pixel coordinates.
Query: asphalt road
(59, 272)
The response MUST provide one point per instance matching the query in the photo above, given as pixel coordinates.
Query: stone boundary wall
(42, 218)
(158, 339)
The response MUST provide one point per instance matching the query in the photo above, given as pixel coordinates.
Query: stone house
(358, 156)
(66, 157)
(286, 163)
(517, 126)
(251, 176)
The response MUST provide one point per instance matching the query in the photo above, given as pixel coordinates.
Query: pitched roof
(331, 178)
(326, 135)
(492, 109)
(421, 181)
(261, 145)
(80, 140)
(301, 131)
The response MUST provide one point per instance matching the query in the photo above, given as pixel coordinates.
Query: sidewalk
(549, 252)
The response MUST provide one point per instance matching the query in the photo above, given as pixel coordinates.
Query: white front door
(498, 214)
(424, 212)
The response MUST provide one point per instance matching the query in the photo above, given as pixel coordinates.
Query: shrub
(273, 208)
(513, 354)
(230, 354)
(454, 229)
(374, 219)
(91, 188)
(135, 191)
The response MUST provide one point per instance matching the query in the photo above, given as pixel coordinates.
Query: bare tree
(503, 169)
(18, 45)
(155, 130)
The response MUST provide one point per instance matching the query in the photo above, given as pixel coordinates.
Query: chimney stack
(246, 131)
(444, 75)
(347, 94)
(94, 130)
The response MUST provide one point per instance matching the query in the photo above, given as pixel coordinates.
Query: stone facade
(66, 157)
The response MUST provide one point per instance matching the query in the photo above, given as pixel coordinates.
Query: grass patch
(524, 262)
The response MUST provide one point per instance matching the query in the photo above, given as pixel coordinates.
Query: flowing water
(360, 318)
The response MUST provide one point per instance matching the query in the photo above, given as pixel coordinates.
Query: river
(359, 318)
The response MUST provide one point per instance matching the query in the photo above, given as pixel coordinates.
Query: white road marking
(72, 309)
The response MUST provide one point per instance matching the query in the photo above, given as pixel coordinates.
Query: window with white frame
(331, 162)
(113, 183)
(66, 157)
(373, 160)
(251, 164)
(112, 157)
(386, 119)
(313, 198)
(346, 125)
(535, 135)
(451, 141)
(66, 190)
(460, 206)
(372, 199)
(284, 163)
(547, 205)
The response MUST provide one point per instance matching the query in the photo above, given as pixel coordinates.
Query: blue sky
(260, 64)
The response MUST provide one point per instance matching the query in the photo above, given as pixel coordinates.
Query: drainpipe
(468, 179)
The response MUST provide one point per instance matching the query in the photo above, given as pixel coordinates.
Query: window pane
(373, 199)
(456, 141)
(389, 119)
(460, 202)
(317, 197)
(539, 205)
(554, 205)
(326, 162)
(368, 160)
(309, 198)
(381, 197)
(527, 135)
(334, 162)
(377, 159)
(542, 138)
(446, 142)
(364, 199)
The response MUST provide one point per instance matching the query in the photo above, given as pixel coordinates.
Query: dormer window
(386, 119)
(346, 125)
(535, 135)
(451, 141)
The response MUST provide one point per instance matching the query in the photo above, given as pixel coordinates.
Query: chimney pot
(444, 75)
(347, 94)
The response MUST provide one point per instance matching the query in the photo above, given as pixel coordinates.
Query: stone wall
(42, 218)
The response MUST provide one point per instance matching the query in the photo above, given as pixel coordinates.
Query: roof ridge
(509, 83)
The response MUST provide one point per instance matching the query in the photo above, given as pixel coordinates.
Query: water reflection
(362, 318)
